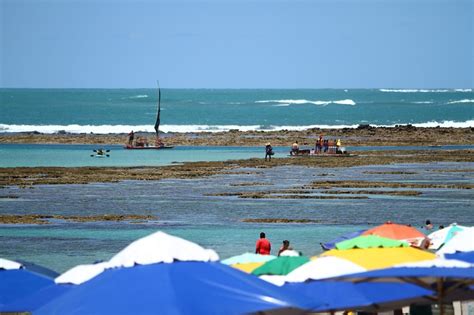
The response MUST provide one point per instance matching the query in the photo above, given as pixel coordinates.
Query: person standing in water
(295, 148)
(268, 151)
(263, 246)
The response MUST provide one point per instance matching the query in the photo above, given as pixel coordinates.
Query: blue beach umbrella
(37, 299)
(448, 284)
(340, 295)
(174, 288)
(463, 256)
(18, 282)
(332, 244)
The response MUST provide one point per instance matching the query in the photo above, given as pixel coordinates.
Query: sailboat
(143, 144)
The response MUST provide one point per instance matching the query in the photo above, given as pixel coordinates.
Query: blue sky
(237, 44)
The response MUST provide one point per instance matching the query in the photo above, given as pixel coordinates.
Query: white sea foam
(139, 96)
(424, 90)
(461, 101)
(447, 124)
(106, 129)
(423, 102)
(303, 101)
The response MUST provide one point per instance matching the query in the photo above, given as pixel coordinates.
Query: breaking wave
(461, 101)
(138, 96)
(303, 101)
(117, 129)
(423, 102)
(424, 90)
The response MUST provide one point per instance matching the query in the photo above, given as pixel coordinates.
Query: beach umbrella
(18, 282)
(332, 244)
(247, 267)
(154, 248)
(82, 273)
(463, 241)
(447, 283)
(317, 269)
(274, 279)
(398, 232)
(377, 258)
(440, 237)
(37, 299)
(374, 297)
(175, 288)
(161, 247)
(6, 264)
(438, 263)
(463, 256)
(370, 241)
(323, 268)
(280, 266)
(449, 280)
(247, 258)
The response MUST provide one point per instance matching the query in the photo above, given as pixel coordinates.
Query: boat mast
(157, 123)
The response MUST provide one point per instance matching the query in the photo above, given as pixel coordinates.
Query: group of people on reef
(264, 247)
(321, 146)
(328, 146)
(142, 141)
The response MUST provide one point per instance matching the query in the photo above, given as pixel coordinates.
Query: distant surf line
(288, 102)
(424, 90)
(119, 129)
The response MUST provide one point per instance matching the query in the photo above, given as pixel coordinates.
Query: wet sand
(362, 136)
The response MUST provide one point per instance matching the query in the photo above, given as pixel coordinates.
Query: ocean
(195, 110)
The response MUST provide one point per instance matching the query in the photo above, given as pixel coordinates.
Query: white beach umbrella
(323, 268)
(438, 238)
(81, 273)
(9, 264)
(247, 258)
(320, 268)
(161, 247)
(274, 279)
(463, 241)
(158, 247)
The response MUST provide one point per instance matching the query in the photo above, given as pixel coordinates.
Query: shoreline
(404, 135)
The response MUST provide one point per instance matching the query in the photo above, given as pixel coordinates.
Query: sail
(157, 123)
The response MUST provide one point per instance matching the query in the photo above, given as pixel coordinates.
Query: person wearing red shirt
(263, 246)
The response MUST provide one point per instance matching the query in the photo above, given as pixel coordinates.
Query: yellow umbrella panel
(377, 258)
(248, 267)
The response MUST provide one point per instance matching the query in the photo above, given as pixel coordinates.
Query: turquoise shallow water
(184, 208)
(29, 155)
(193, 110)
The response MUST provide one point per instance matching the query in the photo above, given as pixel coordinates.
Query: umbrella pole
(440, 297)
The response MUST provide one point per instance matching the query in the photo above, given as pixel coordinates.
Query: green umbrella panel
(280, 266)
(370, 241)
